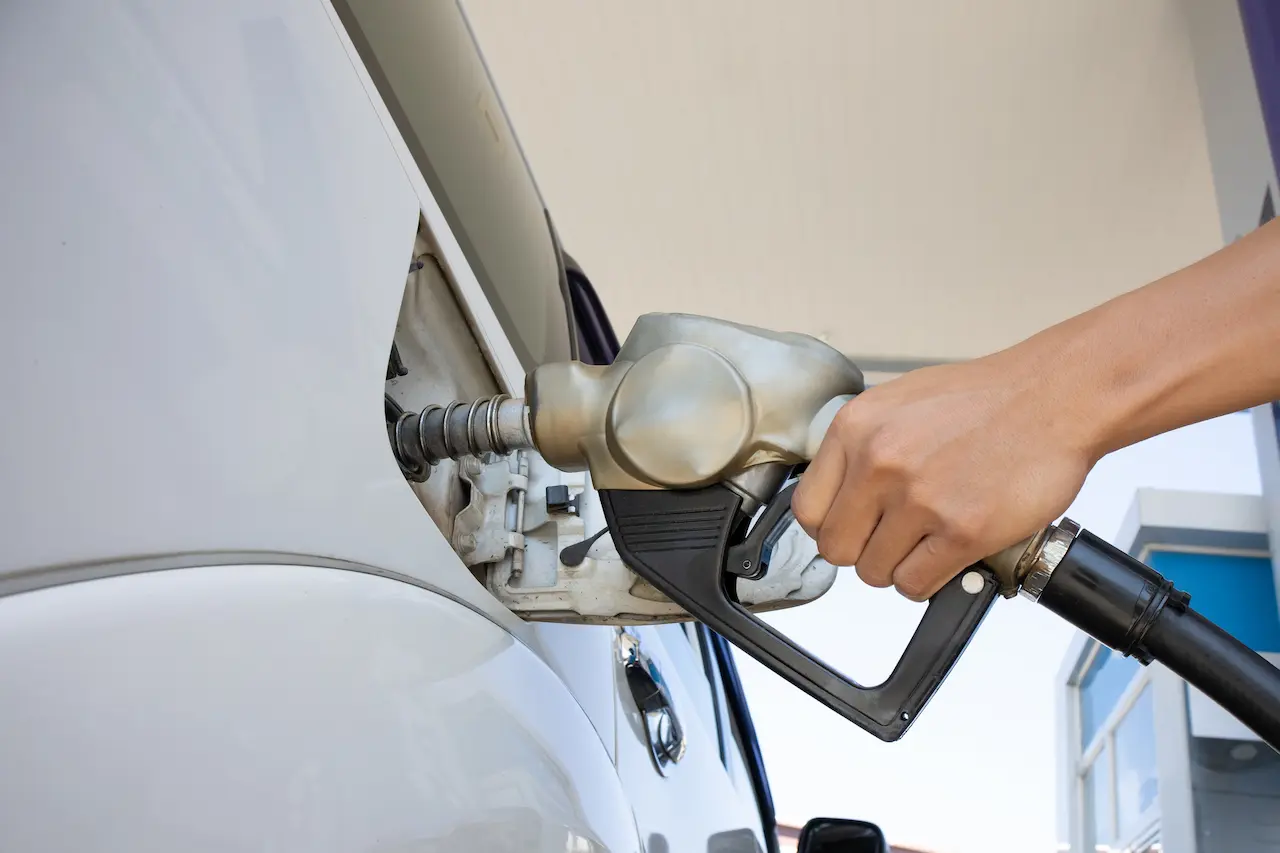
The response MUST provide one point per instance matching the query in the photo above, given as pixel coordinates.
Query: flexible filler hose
(1230, 673)
(1133, 609)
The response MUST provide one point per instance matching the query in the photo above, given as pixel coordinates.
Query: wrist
(1078, 391)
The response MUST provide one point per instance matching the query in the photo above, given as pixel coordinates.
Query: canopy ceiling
(914, 182)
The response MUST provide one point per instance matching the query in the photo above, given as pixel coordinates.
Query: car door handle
(649, 690)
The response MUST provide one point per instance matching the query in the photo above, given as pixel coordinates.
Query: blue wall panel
(1238, 593)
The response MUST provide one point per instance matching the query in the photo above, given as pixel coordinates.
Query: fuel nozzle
(491, 425)
(688, 402)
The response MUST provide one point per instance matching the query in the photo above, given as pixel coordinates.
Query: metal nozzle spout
(498, 424)
(1012, 565)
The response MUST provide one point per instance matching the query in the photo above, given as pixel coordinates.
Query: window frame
(1084, 755)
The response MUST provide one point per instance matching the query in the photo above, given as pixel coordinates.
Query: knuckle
(935, 549)
(837, 553)
(959, 534)
(965, 528)
(921, 498)
(837, 557)
(887, 455)
(914, 588)
(871, 576)
(807, 514)
(849, 418)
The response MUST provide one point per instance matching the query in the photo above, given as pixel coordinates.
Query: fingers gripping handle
(680, 542)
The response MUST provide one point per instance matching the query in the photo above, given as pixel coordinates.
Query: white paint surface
(288, 708)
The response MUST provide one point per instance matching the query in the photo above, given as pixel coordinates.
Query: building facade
(1146, 762)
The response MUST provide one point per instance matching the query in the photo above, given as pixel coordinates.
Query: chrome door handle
(662, 726)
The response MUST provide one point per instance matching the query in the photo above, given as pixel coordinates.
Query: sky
(976, 773)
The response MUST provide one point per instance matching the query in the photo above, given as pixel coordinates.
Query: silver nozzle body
(688, 401)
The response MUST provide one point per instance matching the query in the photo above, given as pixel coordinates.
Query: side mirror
(836, 835)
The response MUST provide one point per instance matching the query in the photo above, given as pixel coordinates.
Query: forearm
(1202, 342)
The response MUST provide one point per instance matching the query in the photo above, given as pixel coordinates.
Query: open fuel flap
(533, 534)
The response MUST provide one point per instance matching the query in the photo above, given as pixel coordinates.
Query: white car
(239, 238)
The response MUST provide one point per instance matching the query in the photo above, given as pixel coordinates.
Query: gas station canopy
(914, 182)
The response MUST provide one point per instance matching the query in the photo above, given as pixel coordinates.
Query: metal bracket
(492, 524)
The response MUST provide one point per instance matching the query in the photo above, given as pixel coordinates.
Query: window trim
(1118, 709)
(1124, 703)
(566, 298)
(1084, 755)
(595, 341)
(718, 699)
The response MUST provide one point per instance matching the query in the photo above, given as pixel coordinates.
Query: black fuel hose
(1136, 611)
(1226, 670)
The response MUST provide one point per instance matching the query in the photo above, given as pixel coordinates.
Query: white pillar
(1173, 761)
(1267, 440)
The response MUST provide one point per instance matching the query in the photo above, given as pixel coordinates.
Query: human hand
(921, 477)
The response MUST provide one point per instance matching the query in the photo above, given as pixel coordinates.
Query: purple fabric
(1261, 20)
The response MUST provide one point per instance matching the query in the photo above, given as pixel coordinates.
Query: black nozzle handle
(689, 544)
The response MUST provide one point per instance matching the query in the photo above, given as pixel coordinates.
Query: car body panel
(211, 556)
(289, 708)
(207, 266)
(694, 806)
